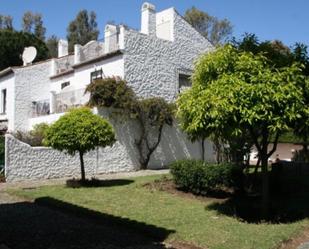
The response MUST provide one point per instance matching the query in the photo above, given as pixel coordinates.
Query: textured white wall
(151, 65)
(23, 162)
(8, 83)
(32, 83)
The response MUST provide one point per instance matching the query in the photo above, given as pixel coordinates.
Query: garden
(243, 95)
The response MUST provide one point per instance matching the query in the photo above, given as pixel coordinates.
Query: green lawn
(190, 218)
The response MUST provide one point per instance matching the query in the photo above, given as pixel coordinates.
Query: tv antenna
(29, 55)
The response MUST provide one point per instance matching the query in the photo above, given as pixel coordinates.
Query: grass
(190, 218)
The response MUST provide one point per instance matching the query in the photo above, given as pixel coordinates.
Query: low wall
(23, 162)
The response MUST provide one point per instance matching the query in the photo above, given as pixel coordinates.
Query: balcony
(69, 98)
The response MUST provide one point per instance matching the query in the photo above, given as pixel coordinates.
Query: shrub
(79, 131)
(34, 137)
(199, 177)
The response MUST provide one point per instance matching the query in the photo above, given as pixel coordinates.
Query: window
(65, 84)
(3, 101)
(97, 74)
(184, 82)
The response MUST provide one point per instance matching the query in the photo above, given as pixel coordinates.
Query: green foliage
(34, 137)
(33, 23)
(151, 114)
(52, 45)
(6, 22)
(111, 92)
(278, 54)
(79, 130)
(13, 44)
(82, 29)
(199, 177)
(215, 30)
(235, 92)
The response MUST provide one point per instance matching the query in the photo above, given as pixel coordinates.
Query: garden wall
(23, 162)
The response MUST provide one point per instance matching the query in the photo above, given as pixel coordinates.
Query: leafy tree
(82, 29)
(235, 92)
(278, 54)
(6, 22)
(301, 126)
(79, 131)
(151, 114)
(52, 45)
(13, 44)
(215, 30)
(33, 23)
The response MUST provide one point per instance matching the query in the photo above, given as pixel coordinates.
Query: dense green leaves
(13, 44)
(82, 29)
(79, 130)
(232, 90)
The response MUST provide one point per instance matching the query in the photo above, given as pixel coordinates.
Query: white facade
(155, 62)
(151, 61)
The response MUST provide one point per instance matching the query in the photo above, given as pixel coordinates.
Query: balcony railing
(70, 99)
(40, 108)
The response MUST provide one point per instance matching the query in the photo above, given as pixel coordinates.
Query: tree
(150, 114)
(82, 29)
(79, 131)
(301, 126)
(33, 23)
(235, 92)
(215, 30)
(13, 44)
(52, 45)
(6, 22)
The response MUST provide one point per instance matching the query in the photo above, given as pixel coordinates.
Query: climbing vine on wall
(151, 114)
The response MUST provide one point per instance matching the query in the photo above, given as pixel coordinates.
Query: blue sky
(285, 20)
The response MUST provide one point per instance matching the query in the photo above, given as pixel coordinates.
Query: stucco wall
(8, 83)
(23, 162)
(152, 65)
(31, 84)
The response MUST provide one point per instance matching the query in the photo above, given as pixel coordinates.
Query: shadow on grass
(62, 225)
(94, 183)
(289, 201)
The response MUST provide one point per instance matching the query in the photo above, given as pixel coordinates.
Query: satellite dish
(29, 55)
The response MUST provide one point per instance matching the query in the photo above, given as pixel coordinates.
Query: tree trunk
(203, 149)
(265, 187)
(265, 178)
(82, 167)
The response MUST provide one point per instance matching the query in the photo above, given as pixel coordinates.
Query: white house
(155, 61)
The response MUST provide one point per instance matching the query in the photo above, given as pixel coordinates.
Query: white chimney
(77, 53)
(110, 38)
(148, 24)
(63, 48)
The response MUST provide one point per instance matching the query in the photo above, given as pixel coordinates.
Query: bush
(34, 137)
(199, 177)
